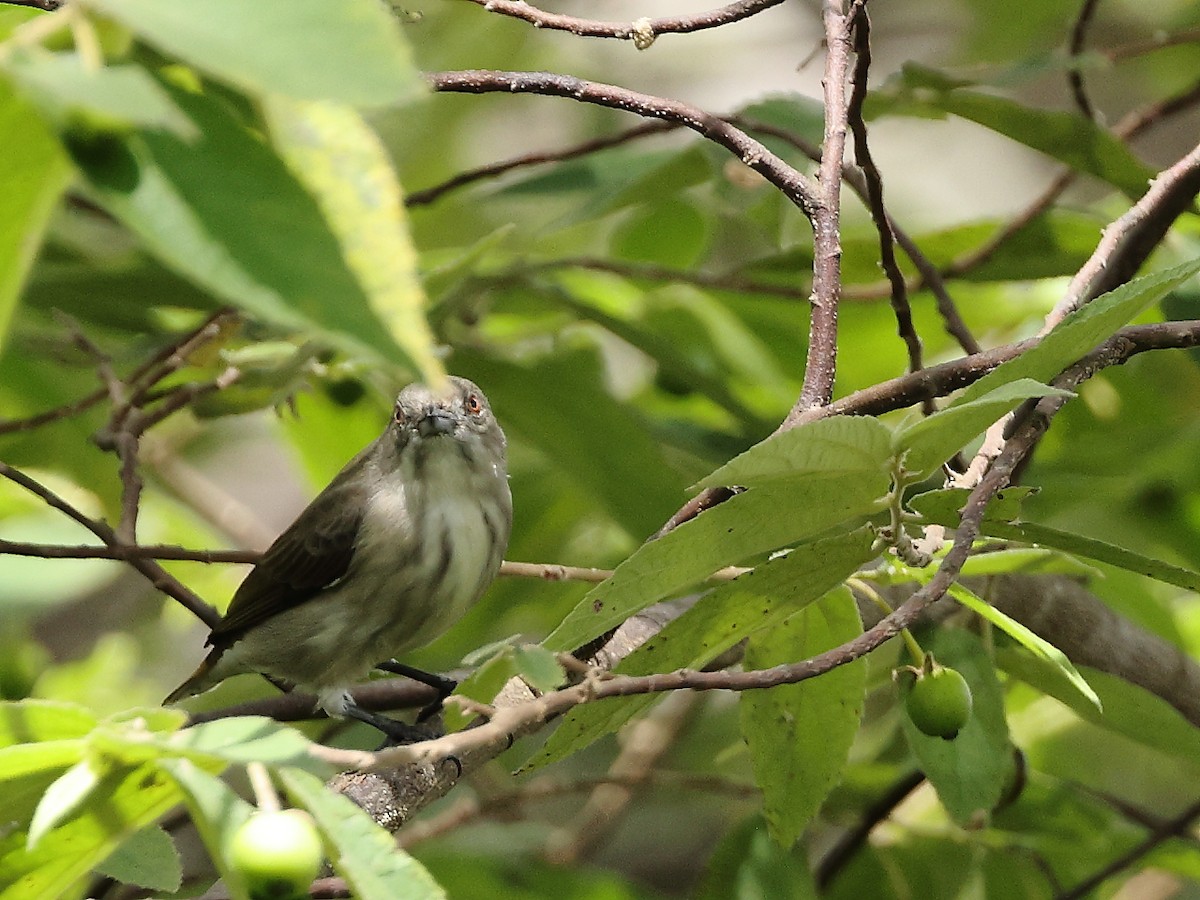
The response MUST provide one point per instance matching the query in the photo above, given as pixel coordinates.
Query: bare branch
(1075, 50)
(1176, 827)
(1129, 240)
(47, 5)
(794, 184)
(821, 364)
(156, 574)
(437, 191)
(861, 31)
(642, 32)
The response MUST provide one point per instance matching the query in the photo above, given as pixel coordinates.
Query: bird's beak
(436, 421)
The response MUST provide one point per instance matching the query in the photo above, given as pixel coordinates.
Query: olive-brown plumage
(396, 549)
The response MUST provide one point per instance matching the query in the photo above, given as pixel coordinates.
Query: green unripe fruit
(278, 854)
(939, 702)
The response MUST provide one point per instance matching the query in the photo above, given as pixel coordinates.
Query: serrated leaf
(68, 792)
(351, 51)
(750, 523)
(132, 800)
(148, 859)
(718, 621)
(927, 443)
(216, 811)
(1027, 639)
(800, 734)
(28, 721)
(361, 851)
(1082, 331)
(970, 772)
(835, 445)
(342, 162)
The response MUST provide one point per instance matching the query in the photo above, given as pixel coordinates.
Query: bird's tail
(197, 683)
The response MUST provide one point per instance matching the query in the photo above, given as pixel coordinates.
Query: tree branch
(794, 184)
(156, 574)
(642, 32)
(1075, 51)
(861, 32)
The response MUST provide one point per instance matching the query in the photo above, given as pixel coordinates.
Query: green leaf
(275, 258)
(669, 233)
(27, 721)
(839, 444)
(1082, 331)
(1101, 551)
(362, 852)
(63, 798)
(970, 772)
(1027, 639)
(748, 865)
(20, 760)
(33, 177)
(216, 811)
(1070, 138)
(1128, 709)
(26, 770)
(800, 734)
(350, 51)
(113, 96)
(927, 443)
(336, 155)
(1002, 521)
(243, 739)
(539, 667)
(1027, 561)
(147, 859)
(132, 800)
(750, 523)
(718, 621)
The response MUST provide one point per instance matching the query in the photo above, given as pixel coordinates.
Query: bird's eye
(474, 404)
(399, 416)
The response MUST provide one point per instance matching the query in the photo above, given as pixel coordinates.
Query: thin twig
(1129, 240)
(436, 192)
(794, 184)
(642, 32)
(469, 809)
(1172, 827)
(820, 365)
(156, 574)
(643, 744)
(849, 843)
(1075, 51)
(47, 5)
(861, 32)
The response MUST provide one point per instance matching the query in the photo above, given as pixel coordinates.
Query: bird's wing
(313, 553)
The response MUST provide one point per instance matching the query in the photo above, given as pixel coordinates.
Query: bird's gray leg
(440, 683)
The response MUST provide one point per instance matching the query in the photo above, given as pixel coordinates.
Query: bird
(403, 541)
